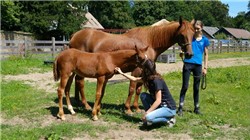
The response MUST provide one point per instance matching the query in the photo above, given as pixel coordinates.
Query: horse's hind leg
(79, 87)
(67, 93)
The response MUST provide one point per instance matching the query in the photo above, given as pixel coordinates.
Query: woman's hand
(204, 71)
(143, 118)
(118, 70)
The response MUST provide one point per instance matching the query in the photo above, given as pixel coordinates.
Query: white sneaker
(171, 122)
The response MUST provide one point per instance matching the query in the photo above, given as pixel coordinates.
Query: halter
(146, 58)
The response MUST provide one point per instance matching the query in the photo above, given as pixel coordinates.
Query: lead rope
(203, 82)
(203, 77)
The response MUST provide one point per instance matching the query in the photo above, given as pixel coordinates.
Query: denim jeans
(161, 114)
(187, 69)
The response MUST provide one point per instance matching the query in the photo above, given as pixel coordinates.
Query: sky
(236, 6)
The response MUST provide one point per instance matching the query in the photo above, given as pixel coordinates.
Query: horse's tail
(56, 72)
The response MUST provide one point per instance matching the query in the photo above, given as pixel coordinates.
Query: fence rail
(27, 47)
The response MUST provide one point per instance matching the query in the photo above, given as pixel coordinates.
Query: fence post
(53, 47)
(213, 46)
(26, 47)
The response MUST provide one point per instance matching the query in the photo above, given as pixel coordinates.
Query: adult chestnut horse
(158, 38)
(94, 65)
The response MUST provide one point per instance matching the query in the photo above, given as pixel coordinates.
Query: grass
(225, 105)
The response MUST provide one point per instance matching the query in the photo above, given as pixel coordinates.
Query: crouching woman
(159, 104)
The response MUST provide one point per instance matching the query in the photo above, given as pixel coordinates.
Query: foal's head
(141, 57)
(184, 37)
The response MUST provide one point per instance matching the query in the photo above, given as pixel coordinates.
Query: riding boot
(197, 111)
(179, 111)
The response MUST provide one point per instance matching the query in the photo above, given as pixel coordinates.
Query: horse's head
(184, 37)
(141, 57)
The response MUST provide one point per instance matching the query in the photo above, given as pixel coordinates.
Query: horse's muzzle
(188, 55)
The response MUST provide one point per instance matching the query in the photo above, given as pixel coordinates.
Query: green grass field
(29, 113)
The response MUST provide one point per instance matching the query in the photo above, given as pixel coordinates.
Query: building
(234, 33)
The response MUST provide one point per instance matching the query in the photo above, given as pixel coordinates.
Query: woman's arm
(156, 103)
(130, 77)
(205, 61)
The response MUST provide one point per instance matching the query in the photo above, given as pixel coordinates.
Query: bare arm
(130, 77)
(205, 61)
(156, 103)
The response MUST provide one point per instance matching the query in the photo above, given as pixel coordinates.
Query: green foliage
(221, 36)
(62, 18)
(10, 15)
(112, 14)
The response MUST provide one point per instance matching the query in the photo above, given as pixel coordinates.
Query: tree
(112, 14)
(148, 12)
(10, 16)
(46, 19)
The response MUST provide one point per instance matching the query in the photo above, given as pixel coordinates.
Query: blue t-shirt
(198, 48)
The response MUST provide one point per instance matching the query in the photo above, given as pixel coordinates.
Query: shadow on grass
(116, 110)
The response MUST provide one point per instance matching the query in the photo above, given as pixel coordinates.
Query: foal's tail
(56, 72)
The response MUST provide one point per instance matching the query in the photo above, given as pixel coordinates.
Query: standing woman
(199, 46)
(159, 104)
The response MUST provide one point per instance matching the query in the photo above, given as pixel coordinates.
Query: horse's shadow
(111, 109)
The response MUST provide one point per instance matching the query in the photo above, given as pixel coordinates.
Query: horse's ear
(193, 21)
(180, 21)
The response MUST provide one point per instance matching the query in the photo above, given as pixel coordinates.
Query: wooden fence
(25, 48)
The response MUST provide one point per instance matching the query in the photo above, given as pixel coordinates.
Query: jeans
(161, 114)
(187, 69)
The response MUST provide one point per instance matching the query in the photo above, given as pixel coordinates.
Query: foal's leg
(100, 82)
(132, 86)
(136, 99)
(67, 93)
(79, 86)
(102, 94)
(60, 92)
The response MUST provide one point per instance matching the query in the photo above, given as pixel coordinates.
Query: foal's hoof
(129, 112)
(140, 111)
(62, 117)
(88, 108)
(95, 118)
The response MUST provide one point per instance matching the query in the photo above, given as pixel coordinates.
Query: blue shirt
(198, 48)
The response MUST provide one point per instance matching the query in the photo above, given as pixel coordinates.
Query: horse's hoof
(99, 113)
(140, 111)
(62, 117)
(88, 108)
(129, 112)
(94, 118)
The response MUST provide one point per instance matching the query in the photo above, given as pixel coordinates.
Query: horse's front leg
(132, 86)
(79, 86)
(102, 94)
(99, 88)
(60, 92)
(136, 99)
(67, 93)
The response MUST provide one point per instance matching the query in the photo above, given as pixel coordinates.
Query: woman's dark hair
(149, 72)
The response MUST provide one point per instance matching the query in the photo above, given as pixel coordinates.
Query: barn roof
(91, 22)
(210, 30)
(237, 33)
